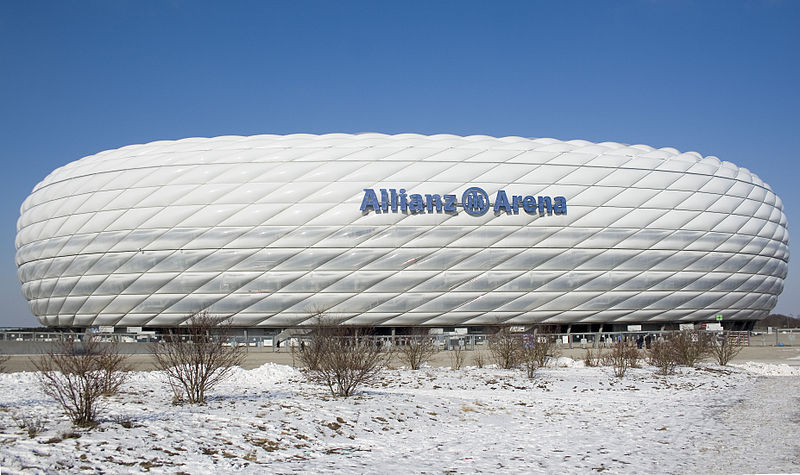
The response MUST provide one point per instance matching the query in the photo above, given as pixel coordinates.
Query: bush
(726, 346)
(545, 348)
(690, 346)
(621, 357)
(534, 352)
(593, 357)
(3, 361)
(342, 359)
(77, 374)
(31, 424)
(529, 361)
(479, 359)
(662, 356)
(505, 347)
(416, 349)
(457, 356)
(194, 359)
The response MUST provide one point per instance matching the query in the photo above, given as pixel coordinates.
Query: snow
(767, 369)
(568, 419)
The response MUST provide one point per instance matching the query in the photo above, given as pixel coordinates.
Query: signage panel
(474, 201)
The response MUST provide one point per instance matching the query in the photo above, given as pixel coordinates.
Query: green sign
(719, 318)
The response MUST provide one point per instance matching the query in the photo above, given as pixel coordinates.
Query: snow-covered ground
(568, 419)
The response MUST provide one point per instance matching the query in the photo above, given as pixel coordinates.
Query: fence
(26, 342)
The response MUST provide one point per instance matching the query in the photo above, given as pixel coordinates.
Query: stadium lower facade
(400, 231)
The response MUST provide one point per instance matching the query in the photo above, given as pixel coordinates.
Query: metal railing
(285, 342)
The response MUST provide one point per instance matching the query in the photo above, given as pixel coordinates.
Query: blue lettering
(415, 203)
(384, 200)
(516, 202)
(560, 205)
(545, 204)
(370, 201)
(403, 200)
(474, 200)
(433, 201)
(450, 204)
(501, 201)
(529, 204)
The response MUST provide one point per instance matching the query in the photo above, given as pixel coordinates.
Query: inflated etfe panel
(399, 230)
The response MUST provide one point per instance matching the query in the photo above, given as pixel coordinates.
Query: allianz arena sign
(400, 230)
(474, 201)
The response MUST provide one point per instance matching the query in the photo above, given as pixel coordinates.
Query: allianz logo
(474, 201)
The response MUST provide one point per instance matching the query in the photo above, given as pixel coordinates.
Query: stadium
(398, 231)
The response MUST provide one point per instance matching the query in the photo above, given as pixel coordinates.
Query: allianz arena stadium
(400, 231)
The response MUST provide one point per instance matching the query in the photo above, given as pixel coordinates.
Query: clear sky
(78, 77)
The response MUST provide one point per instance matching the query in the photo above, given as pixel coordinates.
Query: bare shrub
(125, 421)
(310, 354)
(196, 357)
(544, 348)
(31, 424)
(457, 356)
(593, 357)
(662, 355)
(112, 367)
(314, 348)
(529, 360)
(479, 359)
(311, 350)
(621, 357)
(3, 361)
(342, 359)
(726, 346)
(505, 347)
(637, 356)
(690, 346)
(76, 374)
(416, 349)
(535, 351)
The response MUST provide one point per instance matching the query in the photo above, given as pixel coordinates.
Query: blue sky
(719, 78)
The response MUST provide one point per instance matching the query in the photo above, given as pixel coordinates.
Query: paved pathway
(786, 355)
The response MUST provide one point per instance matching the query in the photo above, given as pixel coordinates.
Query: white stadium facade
(400, 231)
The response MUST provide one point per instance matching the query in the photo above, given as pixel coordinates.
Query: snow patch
(767, 369)
(567, 419)
(565, 362)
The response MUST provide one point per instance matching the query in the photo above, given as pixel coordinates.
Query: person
(648, 340)
(302, 346)
(640, 342)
